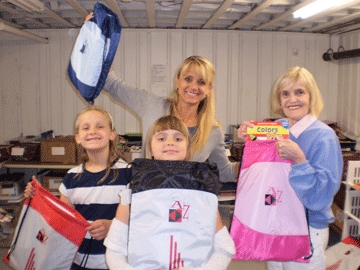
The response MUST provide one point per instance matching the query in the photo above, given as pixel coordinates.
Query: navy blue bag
(94, 52)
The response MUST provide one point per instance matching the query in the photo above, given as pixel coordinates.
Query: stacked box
(5, 151)
(339, 216)
(61, 150)
(25, 152)
(52, 182)
(11, 186)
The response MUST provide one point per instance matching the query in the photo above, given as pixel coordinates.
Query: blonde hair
(297, 74)
(206, 110)
(165, 123)
(114, 150)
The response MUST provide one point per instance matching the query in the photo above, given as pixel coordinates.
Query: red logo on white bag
(175, 260)
(178, 212)
(30, 264)
(41, 236)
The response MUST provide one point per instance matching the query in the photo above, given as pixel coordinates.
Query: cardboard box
(130, 156)
(339, 216)
(25, 151)
(62, 150)
(52, 183)
(5, 151)
(11, 185)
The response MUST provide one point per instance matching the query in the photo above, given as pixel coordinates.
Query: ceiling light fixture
(29, 5)
(317, 7)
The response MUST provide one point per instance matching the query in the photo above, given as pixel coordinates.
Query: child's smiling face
(94, 131)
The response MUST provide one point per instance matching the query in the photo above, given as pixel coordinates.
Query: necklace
(191, 120)
(188, 121)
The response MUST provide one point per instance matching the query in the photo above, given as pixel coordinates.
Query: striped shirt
(94, 201)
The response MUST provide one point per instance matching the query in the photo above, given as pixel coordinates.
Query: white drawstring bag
(173, 214)
(48, 234)
(344, 255)
(94, 52)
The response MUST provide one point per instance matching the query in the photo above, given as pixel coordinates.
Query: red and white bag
(344, 255)
(48, 234)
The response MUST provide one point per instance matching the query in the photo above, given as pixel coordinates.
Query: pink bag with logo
(269, 221)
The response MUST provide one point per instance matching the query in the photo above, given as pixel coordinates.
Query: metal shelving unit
(352, 201)
(36, 165)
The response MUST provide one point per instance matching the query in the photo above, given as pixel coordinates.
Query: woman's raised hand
(89, 17)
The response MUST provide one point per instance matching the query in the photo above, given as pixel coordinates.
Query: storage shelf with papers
(40, 170)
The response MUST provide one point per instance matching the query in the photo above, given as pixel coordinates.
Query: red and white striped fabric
(344, 255)
(48, 234)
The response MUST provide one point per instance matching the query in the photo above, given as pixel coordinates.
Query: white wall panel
(234, 78)
(265, 76)
(36, 95)
(348, 113)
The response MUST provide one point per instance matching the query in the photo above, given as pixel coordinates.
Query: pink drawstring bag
(269, 221)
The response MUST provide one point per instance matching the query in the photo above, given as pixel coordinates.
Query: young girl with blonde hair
(92, 188)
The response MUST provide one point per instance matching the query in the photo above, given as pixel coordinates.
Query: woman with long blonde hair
(193, 101)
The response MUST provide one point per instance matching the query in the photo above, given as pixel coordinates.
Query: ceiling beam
(11, 24)
(251, 14)
(75, 5)
(150, 10)
(224, 6)
(347, 28)
(185, 7)
(15, 31)
(57, 18)
(328, 24)
(8, 9)
(299, 23)
(115, 8)
(283, 16)
(37, 22)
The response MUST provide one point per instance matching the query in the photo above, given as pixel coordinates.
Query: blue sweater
(317, 180)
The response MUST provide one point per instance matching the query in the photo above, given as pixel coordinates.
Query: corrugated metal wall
(36, 95)
(348, 109)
